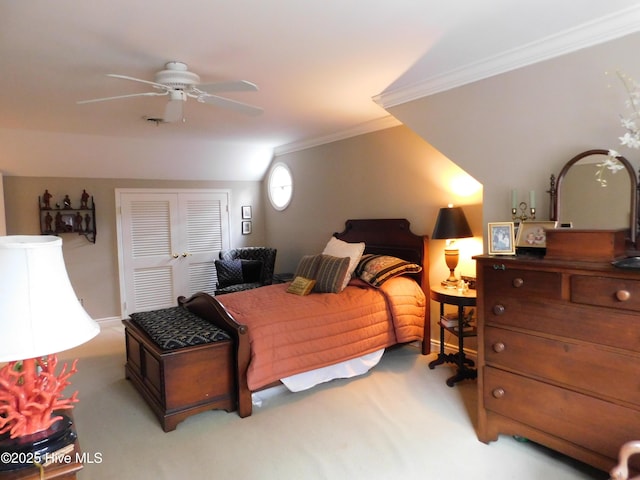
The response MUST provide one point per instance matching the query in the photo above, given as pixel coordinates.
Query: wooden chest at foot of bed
(180, 382)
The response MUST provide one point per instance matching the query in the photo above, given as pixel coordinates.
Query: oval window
(280, 186)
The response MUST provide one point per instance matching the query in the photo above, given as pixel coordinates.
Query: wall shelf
(59, 219)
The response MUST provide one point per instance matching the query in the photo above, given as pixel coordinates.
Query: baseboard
(449, 348)
(109, 322)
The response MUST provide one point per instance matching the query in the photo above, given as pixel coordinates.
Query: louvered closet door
(168, 244)
(203, 225)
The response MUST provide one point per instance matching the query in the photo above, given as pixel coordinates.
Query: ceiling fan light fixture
(178, 95)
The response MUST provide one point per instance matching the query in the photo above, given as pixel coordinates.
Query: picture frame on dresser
(501, 237)
(533, 234)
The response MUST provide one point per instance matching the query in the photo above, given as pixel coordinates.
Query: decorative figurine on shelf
(59, 223)
(66, 202)
(46, 200)
(84, 199)
(48, 220)
(77, 222)
(87, 222)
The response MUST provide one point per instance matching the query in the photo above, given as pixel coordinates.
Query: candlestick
(532, 199)
(514, 198)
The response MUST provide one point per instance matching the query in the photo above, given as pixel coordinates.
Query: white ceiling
(318, 64)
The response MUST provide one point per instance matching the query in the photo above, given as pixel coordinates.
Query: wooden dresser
(559, 355)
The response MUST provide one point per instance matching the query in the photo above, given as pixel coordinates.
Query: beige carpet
(398, 421)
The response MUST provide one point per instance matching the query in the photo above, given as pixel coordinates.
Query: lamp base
(449, 283)
(24, 451)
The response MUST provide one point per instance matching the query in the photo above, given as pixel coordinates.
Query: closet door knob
(623, 295)
(498, 347)
(498, 309)
(498, 392)
(175, 255)
(186, 254)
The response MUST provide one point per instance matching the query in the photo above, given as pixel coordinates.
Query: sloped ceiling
(325, 70)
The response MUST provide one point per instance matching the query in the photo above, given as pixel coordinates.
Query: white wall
(516, 129)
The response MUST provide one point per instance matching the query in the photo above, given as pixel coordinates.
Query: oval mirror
(597, 192)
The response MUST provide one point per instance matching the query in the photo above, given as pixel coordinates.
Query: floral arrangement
(611, 163)
(631, 138)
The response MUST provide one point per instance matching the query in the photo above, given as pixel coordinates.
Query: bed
(277, 334)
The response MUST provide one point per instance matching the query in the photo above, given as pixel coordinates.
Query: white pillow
(338, 248)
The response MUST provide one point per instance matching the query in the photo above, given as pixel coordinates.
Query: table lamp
(40, 315)
(451, 224)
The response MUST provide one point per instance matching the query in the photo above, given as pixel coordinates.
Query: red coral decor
(30, 391)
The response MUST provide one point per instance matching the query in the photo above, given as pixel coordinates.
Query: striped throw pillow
(377, 269)
(331, 274)
(307, 267)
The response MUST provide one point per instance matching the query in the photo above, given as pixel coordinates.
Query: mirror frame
(556, 188)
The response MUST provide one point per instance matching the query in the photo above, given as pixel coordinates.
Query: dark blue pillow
(251, 271)
(233, 272)
(229, 272)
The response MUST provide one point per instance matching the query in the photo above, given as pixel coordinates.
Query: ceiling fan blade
(231, 86)
(173, 112)
(147, 94)
(139, 80)
(230, 104)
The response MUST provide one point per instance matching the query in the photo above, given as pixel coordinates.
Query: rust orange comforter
(290, 334)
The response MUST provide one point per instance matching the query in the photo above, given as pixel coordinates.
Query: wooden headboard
(390, 236)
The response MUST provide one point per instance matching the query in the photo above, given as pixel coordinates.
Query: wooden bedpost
(205, 306)
(424, 283)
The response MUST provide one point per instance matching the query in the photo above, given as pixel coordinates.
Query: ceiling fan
(176, 82)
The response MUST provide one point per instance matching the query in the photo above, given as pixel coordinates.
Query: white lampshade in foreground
(39, 311)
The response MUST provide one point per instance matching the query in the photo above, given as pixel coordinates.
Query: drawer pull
(498, 309)
(498, 392)
(623, 295)
(500, 266)
(517, 282)
(498, 347)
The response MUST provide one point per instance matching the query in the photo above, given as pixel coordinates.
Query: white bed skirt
(346, 369)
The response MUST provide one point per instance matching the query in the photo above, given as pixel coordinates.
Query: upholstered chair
(244, 268)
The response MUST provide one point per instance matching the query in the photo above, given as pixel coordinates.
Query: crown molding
(588, 34)
(371, 126)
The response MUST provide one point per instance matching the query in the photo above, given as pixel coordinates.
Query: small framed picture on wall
(246, 212)
(246, 228)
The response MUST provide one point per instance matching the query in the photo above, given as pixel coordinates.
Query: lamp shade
(451, 223)
(39, 311)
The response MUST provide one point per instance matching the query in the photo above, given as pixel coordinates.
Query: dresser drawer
(583, 420)
(621, 293)
(501, 280)
(614, 328)
(587, 367)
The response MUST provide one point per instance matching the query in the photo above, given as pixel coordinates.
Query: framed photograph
(246, 228)
(246, 212)
(501, 238)
(532, 234)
